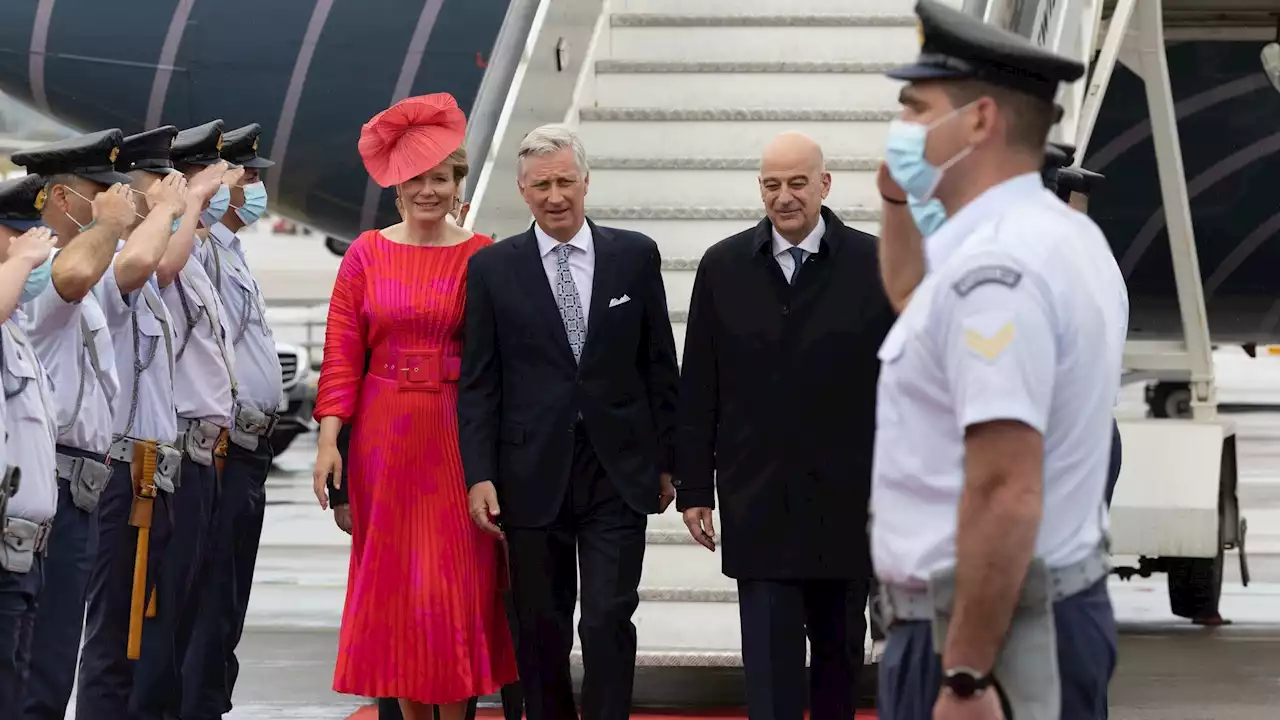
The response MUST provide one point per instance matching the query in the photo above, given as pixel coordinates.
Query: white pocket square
(618, 301)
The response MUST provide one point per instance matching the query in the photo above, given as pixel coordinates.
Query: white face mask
(72, 218)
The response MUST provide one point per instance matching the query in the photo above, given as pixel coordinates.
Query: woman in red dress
(424, 620)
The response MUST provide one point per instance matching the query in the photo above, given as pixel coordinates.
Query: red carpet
(371, 713)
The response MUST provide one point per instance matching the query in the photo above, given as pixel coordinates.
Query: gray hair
(550, 139)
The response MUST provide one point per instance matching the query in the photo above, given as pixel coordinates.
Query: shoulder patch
(984, 274)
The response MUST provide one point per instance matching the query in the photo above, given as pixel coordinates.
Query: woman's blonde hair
(458, 158)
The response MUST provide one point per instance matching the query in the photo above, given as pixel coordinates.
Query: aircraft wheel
(1195, 588)
(1169, 400)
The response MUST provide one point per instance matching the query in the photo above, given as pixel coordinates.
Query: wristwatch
(965, 682)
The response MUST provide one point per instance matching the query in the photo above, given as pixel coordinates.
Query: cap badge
(920, 32)
(255, 144)
(115, 153)
(40, 198)
(219, 142)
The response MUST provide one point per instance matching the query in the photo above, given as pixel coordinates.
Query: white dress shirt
(582, 263)
(1018, 320)
(29, 424)
(810, 245)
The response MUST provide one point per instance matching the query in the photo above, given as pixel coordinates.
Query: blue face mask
(37, 281)
(220, 203)
(904, 154)
(929, 216)
(255, 203)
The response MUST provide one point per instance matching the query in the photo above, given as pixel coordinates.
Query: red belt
(416, 369)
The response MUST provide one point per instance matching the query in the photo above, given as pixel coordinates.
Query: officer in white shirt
(1004, 366)
(68, 331)
(211, 668)
(143, 426)
(28, 471)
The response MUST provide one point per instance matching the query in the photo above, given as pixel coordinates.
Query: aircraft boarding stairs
(680, 99)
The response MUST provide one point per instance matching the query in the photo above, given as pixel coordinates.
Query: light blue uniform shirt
(146, 413)
(29, 425)
(204, 361)
(82, 397)
(257, 363)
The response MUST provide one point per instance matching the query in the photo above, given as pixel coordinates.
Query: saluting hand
(169, 195)
(204, 184)
(462, 213)
(114, 207)
(232, 177)
(32, 247)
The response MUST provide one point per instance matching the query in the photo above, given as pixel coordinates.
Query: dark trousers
(210, 668)
(911, 673)
(18, 596)
(106, 673)
(165, 638)
(776, 616)
(73, 545)
(607, 536)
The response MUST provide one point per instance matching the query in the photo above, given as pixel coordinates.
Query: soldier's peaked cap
(148, 151)
(958, 46)
(200, 145)
(21, 201)
(91, 157)
(240, 147)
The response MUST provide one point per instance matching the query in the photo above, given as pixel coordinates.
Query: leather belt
(907, 604)
(421, 370)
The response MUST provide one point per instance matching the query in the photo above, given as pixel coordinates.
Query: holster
(250, 427)
(1026, 669)
(87, 478)
(9, 482)
(199, 441)
(21, 541)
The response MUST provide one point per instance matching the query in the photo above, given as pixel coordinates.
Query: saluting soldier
(28, 472)
(68, 330)
(143, 422)
(1004, 364)
(203, 396)
(211, 669)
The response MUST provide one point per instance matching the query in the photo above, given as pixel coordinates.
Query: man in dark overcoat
(777, 412)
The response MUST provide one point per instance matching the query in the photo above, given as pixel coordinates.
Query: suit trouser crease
(210, 668)
(776, 618)
(911, 672)
(55, 646)
(608, 536)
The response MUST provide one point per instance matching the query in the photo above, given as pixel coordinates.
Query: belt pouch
(1027, 666)
(247, 430)
(88, 478)
(168, 468)
(18, 549)
(199, 442)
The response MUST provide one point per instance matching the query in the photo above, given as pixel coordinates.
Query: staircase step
(713, 181)
(649, 36)
(728, 132)
(835, 85)
(762, 7)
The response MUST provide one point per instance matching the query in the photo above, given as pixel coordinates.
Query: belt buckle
(420, 370)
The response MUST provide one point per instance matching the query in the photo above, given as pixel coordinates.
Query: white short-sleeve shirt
(1019, 319)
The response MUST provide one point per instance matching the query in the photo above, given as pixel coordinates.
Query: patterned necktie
(569, 303)
(797, 255)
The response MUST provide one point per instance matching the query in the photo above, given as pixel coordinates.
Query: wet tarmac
(1168, 669)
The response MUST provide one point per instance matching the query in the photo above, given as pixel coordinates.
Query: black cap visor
(105, 177)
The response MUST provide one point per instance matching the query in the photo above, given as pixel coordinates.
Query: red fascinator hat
(411, 137)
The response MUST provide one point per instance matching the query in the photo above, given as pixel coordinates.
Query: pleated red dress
(424, 619)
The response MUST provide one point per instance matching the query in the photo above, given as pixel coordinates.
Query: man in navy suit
(566, 410)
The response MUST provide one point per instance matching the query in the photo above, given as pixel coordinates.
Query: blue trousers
(210, 667)
(106, 673)
(18, 594)
(911, 673)
(73, 545)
